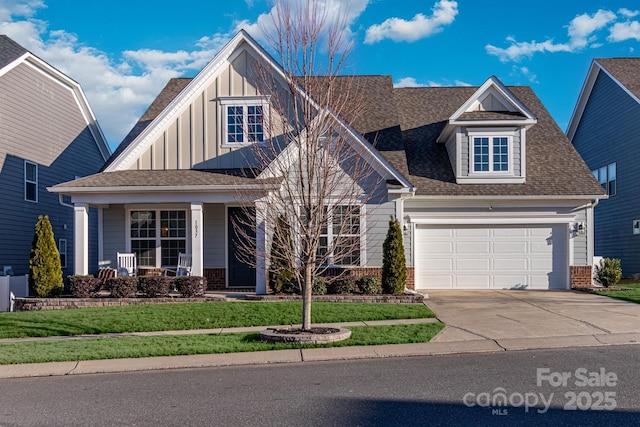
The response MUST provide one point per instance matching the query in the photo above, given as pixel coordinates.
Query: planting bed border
(398, 299)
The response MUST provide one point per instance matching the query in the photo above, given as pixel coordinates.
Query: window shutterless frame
(245, 120)
(62, 249)
(30, 181)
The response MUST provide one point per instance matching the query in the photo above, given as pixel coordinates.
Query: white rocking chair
(183, 268)
(127, 265)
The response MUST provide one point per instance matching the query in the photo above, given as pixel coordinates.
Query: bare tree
(324, 169)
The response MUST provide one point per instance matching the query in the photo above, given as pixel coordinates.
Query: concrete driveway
(535, 319)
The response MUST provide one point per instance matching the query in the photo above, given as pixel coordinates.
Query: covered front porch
(157, 222)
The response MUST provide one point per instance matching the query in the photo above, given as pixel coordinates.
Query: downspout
(63, 203)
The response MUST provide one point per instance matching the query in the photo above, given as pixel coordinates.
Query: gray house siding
(606, 134)
(377, 225)
(40, 121)
(515, 157)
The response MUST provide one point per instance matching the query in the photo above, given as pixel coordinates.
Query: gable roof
(625, 72)
(12, 55)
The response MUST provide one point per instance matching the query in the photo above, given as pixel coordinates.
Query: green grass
(631, 292)
(125, 347)
(184, 316)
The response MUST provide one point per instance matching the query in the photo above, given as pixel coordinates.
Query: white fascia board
(158, 189)
(485, 219)
(497, 84)
(13, 64)
(513, 198)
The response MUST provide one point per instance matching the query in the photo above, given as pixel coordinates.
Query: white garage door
(496, 257)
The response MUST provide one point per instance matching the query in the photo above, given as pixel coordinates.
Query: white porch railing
(11, 287)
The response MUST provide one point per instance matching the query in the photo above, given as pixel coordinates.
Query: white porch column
(197, 230)
(81, 239)
(261, 247)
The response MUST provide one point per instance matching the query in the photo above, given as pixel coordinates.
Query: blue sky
(124, 52)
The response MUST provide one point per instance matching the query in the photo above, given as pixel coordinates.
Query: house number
(196, 229)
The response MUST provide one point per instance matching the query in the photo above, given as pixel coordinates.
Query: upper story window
(490, 154)
(245, 120)
(30, 181)
(606, 175)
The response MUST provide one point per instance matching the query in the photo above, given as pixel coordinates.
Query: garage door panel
(472, 247)
(473, 264)
(510, 264)
(510, 247)
(483, 257)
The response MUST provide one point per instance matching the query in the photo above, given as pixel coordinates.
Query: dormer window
(245, 120)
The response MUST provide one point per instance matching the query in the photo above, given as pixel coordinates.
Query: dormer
(486, 137)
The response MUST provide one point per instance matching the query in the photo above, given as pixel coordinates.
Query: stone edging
(399, 299)
(34, 304)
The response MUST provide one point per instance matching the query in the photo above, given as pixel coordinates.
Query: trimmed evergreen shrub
(394, 265)
(342, 285)
(84, 286)
(123, 286)
(155, 286)
(369, 285)
(281, 271)
(609, 272)
(319, 286)
(191, 286)
(45, 271)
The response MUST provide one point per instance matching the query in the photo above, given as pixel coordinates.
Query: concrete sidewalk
(477, 321)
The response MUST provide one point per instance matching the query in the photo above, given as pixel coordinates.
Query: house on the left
(48, 135)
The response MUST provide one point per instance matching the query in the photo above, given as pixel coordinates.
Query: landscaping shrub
(609, 272)
(154, 286)
(84, 286)
(369, 285)
(123, 287)
(191, 286)
(280, 269)
(45, 271)
(394, 265)
(342, 285)
(319, 286)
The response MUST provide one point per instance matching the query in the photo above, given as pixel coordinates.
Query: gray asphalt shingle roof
(9, 50)
(404, 123)
(625, 70)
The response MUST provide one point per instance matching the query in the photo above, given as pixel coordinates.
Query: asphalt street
(581, 386)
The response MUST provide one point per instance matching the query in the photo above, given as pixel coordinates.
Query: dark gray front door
(241, 273)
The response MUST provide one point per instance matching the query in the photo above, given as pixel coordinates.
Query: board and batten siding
(41, 121)
(195, 139)
(608, 133)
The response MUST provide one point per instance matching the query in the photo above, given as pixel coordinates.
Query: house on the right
(603, 130)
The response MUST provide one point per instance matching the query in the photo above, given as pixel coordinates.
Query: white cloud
(398, 29)
(526, 73)
(118, 89)
(624, 31)
(412, 82)
(581, 34)
(628, 13)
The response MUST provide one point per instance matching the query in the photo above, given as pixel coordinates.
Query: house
(489, 191)
(602, 130)
(48, 135)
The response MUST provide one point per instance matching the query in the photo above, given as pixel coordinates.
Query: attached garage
(491, 257)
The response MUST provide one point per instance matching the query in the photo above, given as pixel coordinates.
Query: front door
(241, 272)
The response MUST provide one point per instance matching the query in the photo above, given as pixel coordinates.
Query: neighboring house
(489, 191)
(48, 135)
(602, 129)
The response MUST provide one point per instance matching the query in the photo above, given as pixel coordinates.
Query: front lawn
(630, 292)
(125, 347)
(184, 316)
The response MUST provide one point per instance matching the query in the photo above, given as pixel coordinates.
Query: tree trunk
(306, 297)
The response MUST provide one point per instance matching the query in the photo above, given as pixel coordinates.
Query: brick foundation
(216, 278)
(581, 276)
(358, 272)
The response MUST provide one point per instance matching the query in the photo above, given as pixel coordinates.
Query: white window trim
(244, 102)
(635, 227)
(596, 174)
(61, 252)
(28, 181)
(157, 209)
(362, 239)
(490, 133)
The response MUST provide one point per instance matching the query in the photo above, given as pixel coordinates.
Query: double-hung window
(490, 153)
(245, 120)
(607, 176)
(158, 236)
(30, 181)
(342, 234)
(62, 249)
